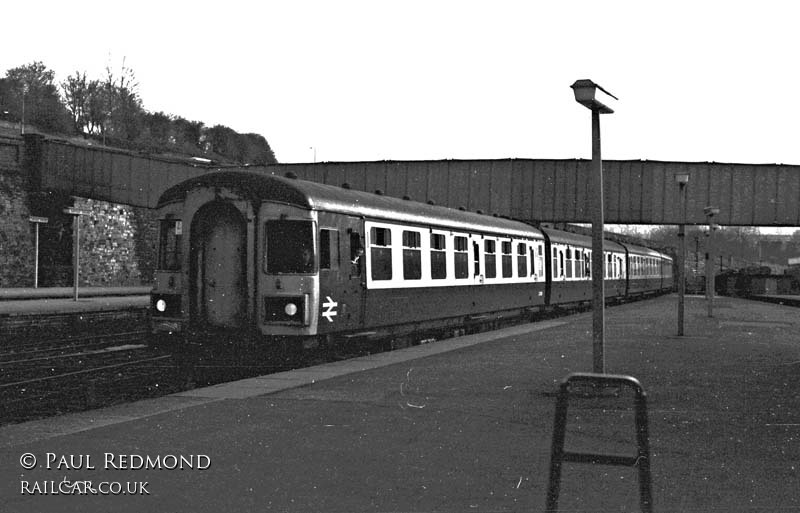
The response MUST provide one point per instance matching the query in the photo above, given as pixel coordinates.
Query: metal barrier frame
(558, 455)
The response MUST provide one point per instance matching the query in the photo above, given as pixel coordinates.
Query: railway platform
(781, 299)
(457, 425)
(38, 312)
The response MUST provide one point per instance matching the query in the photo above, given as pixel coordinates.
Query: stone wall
(118, 243)
(107, 242)
(16, 233)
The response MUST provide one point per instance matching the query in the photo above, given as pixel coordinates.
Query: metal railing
(558, 456)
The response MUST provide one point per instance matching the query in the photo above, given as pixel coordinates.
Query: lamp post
(710, 212)
(595, 98)
(36, 222)
(682, 179)
(696, 257)
(25, 90)
(76, 213)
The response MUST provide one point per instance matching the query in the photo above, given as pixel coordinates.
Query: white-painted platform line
(45, 429)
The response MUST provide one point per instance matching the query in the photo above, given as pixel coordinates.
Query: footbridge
(533, 190)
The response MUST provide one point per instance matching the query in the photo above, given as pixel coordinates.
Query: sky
(352, 80)
(405, 80)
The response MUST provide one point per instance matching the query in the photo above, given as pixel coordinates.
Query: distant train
(282, 258)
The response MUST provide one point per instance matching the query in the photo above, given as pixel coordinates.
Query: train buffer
(598, 383)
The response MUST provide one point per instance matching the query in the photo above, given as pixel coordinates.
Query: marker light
(290, 309)
(161, 305)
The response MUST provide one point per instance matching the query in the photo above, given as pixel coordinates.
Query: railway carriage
(650, 271)
(286, 257)
(281, 258)
(570, 258)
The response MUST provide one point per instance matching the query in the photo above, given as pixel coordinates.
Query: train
(277, 258)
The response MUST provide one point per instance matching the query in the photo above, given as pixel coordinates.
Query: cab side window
(356, 254)
(328, 248)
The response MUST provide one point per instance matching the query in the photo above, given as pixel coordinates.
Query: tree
(221, 140)
(257, 150)
(122, 105)
(188, 134)
(157, 131)
(79, 94)
(111, 108)
(240, 148)
(30, 88)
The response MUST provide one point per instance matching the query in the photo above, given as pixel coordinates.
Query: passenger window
(491, 258)
(554, 264)
(381, 253)
(438, 256)
(522, 260)
(569, 263)
(588, 264)
(461, 257)
(507, 270)
(412, 255)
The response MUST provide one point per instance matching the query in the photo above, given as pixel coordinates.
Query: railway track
(29, 362)
(48, 377)
(41, 378)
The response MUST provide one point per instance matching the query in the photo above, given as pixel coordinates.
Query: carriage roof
(642, 251)
(259, 187)
(575, 239)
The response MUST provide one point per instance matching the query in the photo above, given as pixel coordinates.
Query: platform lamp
(682, 179)
(710, 212)
(76, 213)
(596, 99)
(36, 222)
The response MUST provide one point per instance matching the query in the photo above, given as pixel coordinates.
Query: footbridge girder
(534, 190)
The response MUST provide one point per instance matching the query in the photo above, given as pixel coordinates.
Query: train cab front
(288, 274)
(166, 298)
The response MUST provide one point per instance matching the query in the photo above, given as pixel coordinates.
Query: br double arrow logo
(329, 307)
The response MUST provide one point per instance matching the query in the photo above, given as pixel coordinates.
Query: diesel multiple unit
(279, 257)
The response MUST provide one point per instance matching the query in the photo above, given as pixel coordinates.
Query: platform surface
(458, 427)
(14, 293)
(49, 306)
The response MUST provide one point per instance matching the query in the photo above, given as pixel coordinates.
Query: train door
(477, 266)
(218, 266)
(548, 269)
(342, 279)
